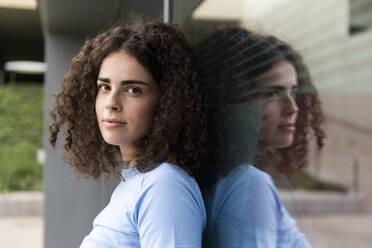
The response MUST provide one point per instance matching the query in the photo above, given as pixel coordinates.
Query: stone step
(296, 202)
(311, 202)
(22, 204)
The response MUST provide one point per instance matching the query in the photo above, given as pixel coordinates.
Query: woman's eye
(134, 91)
(294, 92)
(273, 95)
(103, 87)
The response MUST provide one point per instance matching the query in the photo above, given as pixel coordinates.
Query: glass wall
(328, 191)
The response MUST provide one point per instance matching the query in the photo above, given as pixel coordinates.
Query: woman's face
(126, 99)
(279, 103)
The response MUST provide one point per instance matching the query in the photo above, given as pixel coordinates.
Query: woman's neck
(129, 154)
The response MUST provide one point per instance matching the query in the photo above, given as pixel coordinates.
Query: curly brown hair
(231, 61)
(177, 135)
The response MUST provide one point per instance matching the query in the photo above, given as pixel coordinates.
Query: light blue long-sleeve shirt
(244, 211)
(161, 208)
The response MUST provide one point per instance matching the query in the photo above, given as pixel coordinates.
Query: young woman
(261, 108)
(130, 106)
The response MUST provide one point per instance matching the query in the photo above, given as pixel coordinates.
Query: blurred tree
(21, 130)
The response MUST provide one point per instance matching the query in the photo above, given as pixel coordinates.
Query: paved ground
(21, 232)
(338, 231)
(346, 231)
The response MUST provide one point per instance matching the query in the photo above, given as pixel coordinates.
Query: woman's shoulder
(248, 183)
(167, 171)
(251, 198)
(244, 182)
(166, 175)
(256, 187)
(168, 185)
(260, 176)
(262, 182)
(248, 174)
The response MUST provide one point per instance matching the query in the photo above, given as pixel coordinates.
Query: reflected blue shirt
(161, 208)
(244, 210)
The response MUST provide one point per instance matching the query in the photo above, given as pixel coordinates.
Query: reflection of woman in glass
(261, 110)
(132, 91)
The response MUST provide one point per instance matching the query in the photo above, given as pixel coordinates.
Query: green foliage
(21, 130)
(303, 180)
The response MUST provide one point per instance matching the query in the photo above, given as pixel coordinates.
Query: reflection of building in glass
(341, 67)
(334, 38)
(360, 16)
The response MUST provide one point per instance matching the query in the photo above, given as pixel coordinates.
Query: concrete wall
(67, 217)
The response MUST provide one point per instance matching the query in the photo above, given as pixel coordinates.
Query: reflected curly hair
(177, 135)
(231, 61)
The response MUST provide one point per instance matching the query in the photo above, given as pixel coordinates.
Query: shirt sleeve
(98, 238)
(253, 216)
(246, 216)
(169, 211)
(289, 235)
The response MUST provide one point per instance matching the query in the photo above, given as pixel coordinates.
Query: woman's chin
(114, 141)
(284, 144)
(280, 143)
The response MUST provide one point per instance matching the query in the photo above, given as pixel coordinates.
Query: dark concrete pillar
(70, 203)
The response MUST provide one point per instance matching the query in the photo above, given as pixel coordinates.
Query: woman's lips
(113, 123)
(287, 127)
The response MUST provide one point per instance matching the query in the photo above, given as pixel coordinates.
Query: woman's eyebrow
(269, 87)
(124, 82)
(263, 88)
(106, 80)
(274, 87)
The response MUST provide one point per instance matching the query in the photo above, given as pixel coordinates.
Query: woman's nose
(291, 105)
(113, 103)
